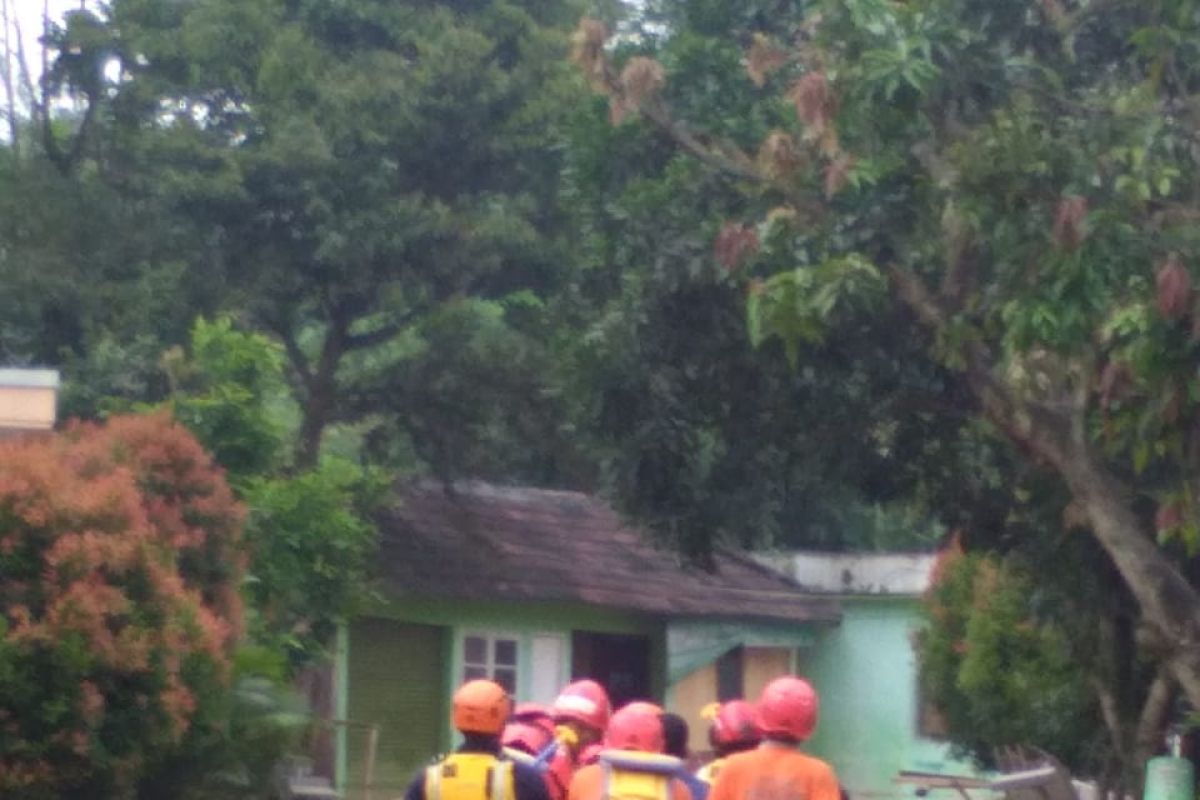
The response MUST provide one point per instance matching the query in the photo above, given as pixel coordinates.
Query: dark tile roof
(483, 542)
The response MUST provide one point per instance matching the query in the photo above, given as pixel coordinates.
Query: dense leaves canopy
(122, 555)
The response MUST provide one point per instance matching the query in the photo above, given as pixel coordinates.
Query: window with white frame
(493, 656)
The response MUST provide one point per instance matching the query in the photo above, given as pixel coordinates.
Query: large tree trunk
(1169, 604)
(320, 396)
(1056, 434)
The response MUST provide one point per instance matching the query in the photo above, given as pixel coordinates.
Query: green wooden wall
(392, 634)
(865, 671)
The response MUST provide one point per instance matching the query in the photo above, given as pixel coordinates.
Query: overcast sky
(29, 13)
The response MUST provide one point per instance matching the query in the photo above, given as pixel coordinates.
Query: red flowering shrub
(120, 563)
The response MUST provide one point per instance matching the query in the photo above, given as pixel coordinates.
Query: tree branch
(296, 357)
(1154, 716)
(741, 167)
(359, 341)
(1109, 712)
(26, 77)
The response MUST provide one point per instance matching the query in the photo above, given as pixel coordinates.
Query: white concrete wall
(905, 574)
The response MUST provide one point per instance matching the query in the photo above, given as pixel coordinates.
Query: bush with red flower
(120, 563)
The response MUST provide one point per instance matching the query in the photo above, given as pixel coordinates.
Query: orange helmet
(733, 723)
(481, 707)
(585, 702)
(637, 726)
(530, 729)
(788, 708)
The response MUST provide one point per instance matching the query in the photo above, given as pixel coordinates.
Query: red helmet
(585, 702)
(733, 724)
(637, 726)
(788, 708)
(530, 729)
(536, 714)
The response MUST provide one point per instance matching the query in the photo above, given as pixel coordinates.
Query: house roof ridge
(529, 542)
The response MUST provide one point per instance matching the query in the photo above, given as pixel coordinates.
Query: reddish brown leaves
(587, 50)
(816, 106)
(779, 157)
(1168, 517)
(1114, 379)
(763, 59)
(837, 174)
(734, 244)
(641, 80)
(1173, 285)
(1070, 222)
(123, 540)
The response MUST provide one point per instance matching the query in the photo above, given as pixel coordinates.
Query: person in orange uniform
(776, 769)
(581, 713)
(478, 770)
(631, 764)
(733, 729)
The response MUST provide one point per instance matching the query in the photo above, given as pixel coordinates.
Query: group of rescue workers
(578, 749)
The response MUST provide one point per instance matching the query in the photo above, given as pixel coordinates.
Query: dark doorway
(620, 663)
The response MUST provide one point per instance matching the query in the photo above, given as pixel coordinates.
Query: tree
(1018, 185)
(691, 431)
(308, 533)
(1001, 675)
(359, 167)
(122, 554)
(1013, 654)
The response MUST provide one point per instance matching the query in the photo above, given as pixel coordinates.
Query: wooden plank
(935, 780)
(1027, 779)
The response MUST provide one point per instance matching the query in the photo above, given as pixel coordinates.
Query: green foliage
(262, 718)
(999, 673)
(311, 545)
(228, 393)
(798, 307)
(1021, 176)
(309, 533)
(365, 165)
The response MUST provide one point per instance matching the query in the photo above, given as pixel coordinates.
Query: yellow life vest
(470, 776)
(630, 775)
(708, 773)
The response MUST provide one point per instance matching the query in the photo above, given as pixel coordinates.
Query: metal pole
(369, 769)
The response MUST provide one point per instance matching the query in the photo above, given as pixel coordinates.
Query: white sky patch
(28, 16)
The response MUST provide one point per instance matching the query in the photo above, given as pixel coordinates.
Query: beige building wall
(27, 408)
(689, 697)
(762, 664)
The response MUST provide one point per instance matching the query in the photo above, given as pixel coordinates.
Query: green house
(874, 720)
(532, 588)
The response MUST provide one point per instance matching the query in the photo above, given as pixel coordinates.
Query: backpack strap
(500, 781)
(433, 782)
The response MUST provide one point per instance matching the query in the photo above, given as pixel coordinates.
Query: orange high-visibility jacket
(775, 772)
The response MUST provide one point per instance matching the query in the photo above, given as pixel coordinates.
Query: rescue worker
(776, 770)
(675, 737)
(733, 729)
(581, 713)
(632, 765)
(528, 733)
(477, 770)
